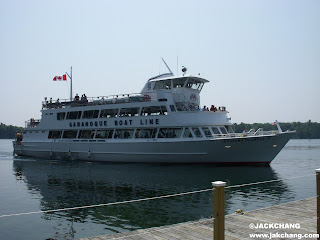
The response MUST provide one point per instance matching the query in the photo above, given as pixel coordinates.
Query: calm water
(28, 185)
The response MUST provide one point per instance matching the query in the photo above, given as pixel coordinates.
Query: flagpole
(70, 76)
(71, 86)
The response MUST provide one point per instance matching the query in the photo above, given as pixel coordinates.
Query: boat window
(54, 134)
(223, 130)
(178, 83)
(169, 132)
(207, 132)
(129, 112)
(124, 133)
(194, 84)
(187, 133)
(146, 133)
(166, 84)
(61, 115)
(104, 133)
(200, 86)
(91, 114)
(172, 108)
(86, 134)
(197, 132)
(215, 130)
(164, 110)
(229, 129)
(109, 113)
(154, 111)
(69, 134)
(74, 115)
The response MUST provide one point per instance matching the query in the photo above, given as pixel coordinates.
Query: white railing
(32, 123)
(101, 100)
(251, 133)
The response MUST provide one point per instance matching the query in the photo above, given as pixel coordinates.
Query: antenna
(177, 64)
(167, 66)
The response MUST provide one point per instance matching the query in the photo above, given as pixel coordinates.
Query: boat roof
(160, 78)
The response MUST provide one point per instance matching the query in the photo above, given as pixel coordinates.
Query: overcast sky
(262, 58)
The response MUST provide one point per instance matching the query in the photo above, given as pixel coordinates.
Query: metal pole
(218, 210)
(71, 85)
(318, 199)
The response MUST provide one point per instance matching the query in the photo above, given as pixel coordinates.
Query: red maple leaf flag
(60, 78)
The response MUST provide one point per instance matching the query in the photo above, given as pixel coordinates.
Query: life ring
(146, 98)
(193, 97)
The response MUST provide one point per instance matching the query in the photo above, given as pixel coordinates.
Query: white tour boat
(161, 124)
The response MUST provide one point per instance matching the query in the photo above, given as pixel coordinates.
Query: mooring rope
(147, 199)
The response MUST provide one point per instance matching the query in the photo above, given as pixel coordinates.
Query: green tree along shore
(306, 130)
(8, 131)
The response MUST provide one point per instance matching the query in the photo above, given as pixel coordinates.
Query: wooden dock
(237, 226)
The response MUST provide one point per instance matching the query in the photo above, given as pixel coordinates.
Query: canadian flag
(60, 78)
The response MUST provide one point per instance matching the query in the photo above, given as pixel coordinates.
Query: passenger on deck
(57, 103)
(212, 108)
(83, 98)
(76, 98)
(204, 108)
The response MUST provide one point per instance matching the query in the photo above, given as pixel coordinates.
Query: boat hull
(245, 150)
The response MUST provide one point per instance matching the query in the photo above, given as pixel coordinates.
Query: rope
(146, 199)
(108, 204)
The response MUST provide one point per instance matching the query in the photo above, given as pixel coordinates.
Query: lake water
(28, 185)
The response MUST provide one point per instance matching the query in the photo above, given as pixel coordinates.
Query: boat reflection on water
(63, 184)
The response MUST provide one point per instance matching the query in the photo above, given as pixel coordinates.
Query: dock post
(318, 199)
(218, 210)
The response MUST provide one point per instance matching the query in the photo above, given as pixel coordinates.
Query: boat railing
(101, 100)
(250, 133)
(32, 123)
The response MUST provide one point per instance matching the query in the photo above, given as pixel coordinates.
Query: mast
(70, 76)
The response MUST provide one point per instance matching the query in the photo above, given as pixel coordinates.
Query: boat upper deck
(181, 90)
(92, 101)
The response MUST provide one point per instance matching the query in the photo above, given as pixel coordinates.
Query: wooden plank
(303, 212)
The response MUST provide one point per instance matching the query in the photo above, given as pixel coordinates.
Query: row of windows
(115, 112)
(187, 132)
(179, 83)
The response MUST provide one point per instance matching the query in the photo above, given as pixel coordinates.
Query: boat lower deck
(246, 150)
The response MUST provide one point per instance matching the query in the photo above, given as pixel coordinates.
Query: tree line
(8, 131)
(306, 130)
